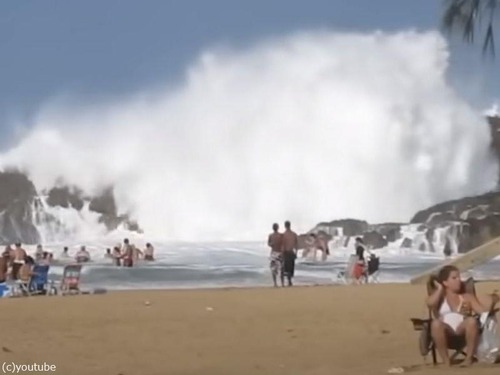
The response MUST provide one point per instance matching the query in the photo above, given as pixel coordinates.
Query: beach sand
(330, 330)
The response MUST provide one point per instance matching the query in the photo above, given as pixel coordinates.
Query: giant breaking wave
(312, 126)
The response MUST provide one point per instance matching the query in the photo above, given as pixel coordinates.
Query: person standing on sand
(290, 247)
(275, 242)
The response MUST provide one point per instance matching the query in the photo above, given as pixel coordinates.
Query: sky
(95, 50)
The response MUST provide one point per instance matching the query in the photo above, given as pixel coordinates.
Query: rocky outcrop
(348, 227)
(17, 194)
(21, 209)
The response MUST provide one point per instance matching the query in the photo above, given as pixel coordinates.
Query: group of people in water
(16, 264)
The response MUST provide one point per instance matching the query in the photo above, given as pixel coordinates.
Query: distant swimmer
(18, 261)
(310, 246)
(38, 253)
(322, 245)
(137, 253)
(46, 258)
(108, 254)
(117, 255)
(65, 253)
(275, 242)
(82, 256)
(290, 247)
(127, 254)
(149, 252)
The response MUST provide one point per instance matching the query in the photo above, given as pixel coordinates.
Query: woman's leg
(470, 328)
(440, 333)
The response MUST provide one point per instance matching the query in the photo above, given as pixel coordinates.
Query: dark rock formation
(374, 240)
(350, 227)
(65, 197)
(17, 195)
(20, 208)
(390, 231)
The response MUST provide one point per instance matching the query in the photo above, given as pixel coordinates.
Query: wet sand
(330, 330)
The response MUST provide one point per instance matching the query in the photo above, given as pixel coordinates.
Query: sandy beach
(301, 330)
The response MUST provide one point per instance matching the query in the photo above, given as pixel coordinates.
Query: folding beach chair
(70, 283)
(346, 276)
(373, 268)
(426, 344)
(39, 282)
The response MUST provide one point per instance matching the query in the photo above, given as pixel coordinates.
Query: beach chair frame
(346, 275)
(23, 289)
(70, 282)
(426, 344)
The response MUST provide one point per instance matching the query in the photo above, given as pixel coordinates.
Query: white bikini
(450, 317)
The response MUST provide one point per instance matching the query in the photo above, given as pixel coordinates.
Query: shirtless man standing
(290, 245)
(275, 242)
(18, 261)
(127, 254)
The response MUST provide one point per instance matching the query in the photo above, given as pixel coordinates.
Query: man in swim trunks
(19, 255)
(275, 242)
(290, 247)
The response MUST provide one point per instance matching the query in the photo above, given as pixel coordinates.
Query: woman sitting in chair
(453, 310)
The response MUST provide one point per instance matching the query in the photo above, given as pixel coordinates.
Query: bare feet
(467, 362)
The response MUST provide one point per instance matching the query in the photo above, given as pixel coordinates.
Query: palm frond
(467, 16)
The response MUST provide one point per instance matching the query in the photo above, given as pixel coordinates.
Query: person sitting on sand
(452, 309)
(275, 242)
(149, 252)
(82, 256)
(26, 271)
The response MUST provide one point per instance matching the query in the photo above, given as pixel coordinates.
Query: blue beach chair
(39, 282)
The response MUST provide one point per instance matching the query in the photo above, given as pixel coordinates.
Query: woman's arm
(435, 298)
(480, 308)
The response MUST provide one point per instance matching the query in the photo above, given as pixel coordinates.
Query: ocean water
(241, 264)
